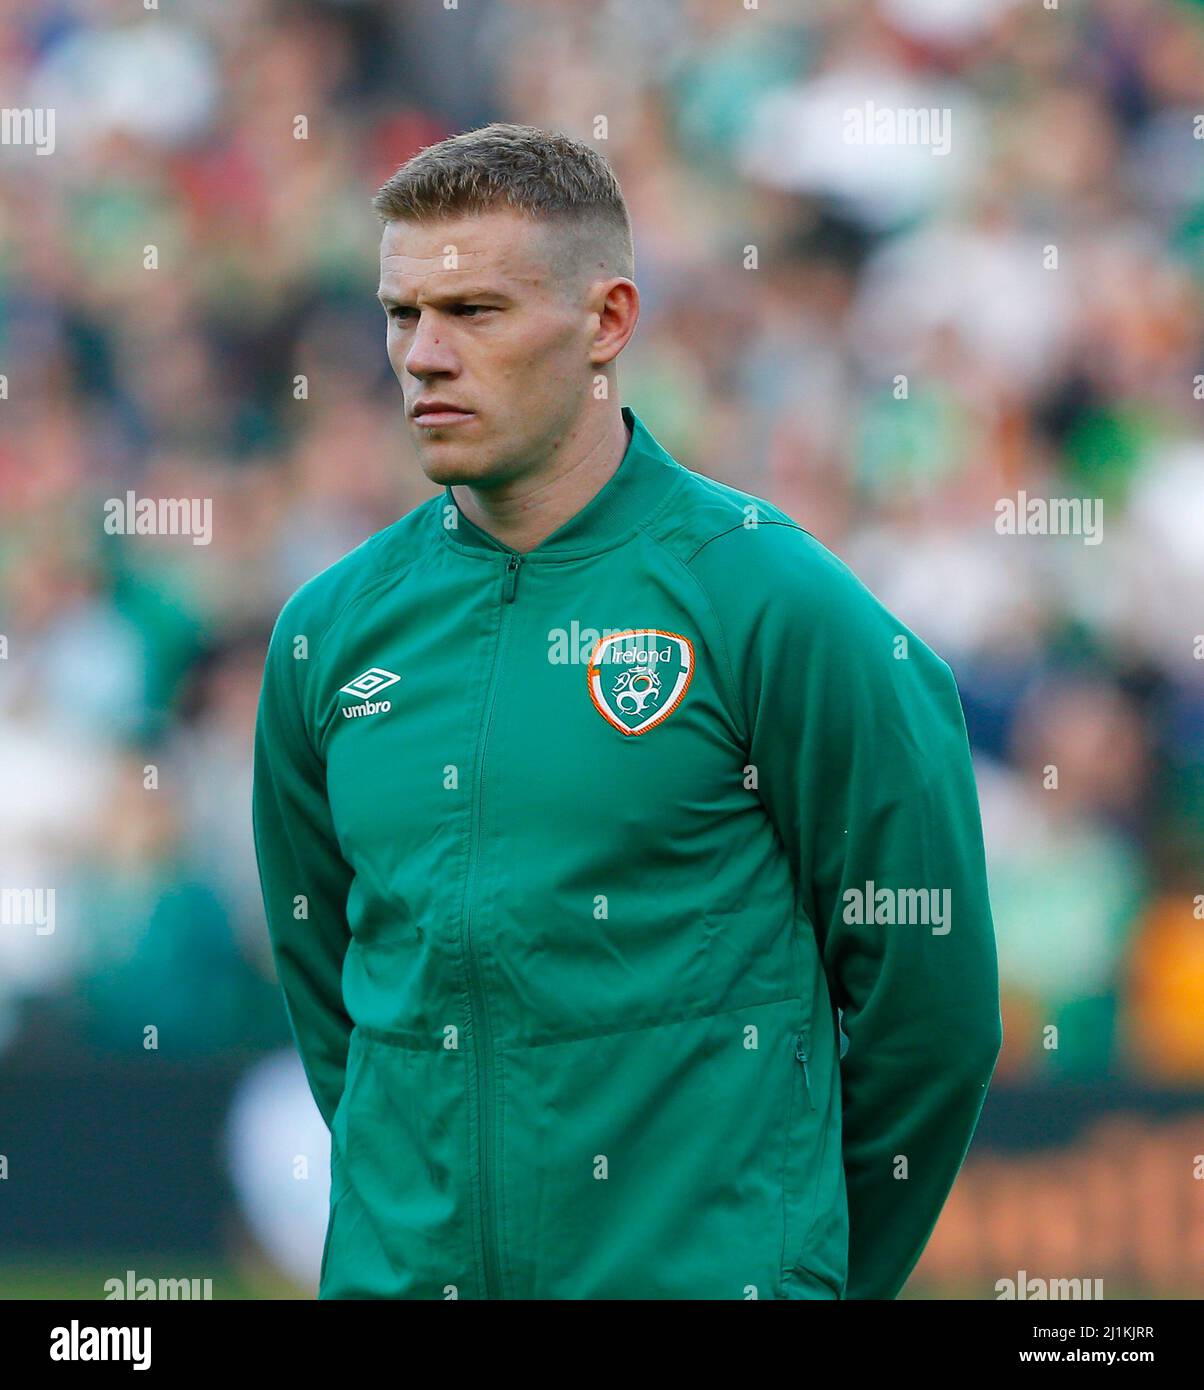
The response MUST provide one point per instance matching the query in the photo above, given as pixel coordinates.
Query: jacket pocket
(401, 1217)
(806, 1150)
(648, 1163)
(330, 1220)
(802, 1044)
(339, 1185)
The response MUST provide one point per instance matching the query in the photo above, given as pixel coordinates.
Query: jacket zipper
(801, 1043)
(483, 1046)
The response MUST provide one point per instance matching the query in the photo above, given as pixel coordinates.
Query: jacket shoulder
(744, 547)
(768, 578)
(318, 603)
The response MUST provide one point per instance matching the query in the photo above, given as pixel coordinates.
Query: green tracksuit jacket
(629, 904)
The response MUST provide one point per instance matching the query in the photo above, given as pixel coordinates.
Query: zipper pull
(510, 583)
(800, 1052)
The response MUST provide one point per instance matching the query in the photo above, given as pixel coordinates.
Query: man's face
(478, 322)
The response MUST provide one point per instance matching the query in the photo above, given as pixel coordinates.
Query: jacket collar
(643, 480)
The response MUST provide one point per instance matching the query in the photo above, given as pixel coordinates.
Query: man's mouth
(436, 414)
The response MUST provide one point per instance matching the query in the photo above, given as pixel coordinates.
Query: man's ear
(618, 311)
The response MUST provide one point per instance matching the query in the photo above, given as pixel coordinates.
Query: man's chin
(459, 464)
(445, 469)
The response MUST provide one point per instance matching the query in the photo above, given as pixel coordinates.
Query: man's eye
(400, 312)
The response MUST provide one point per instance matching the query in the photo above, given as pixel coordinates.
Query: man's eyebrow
(457, 296)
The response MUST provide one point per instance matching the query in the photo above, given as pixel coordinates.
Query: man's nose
(430, 352)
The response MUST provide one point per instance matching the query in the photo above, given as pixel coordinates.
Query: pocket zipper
(800, 1051)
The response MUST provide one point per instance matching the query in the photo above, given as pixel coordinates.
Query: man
(621, 853)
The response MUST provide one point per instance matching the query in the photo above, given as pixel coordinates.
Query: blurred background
(885, 340)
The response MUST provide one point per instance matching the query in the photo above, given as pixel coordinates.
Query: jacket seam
(785, 1183)
(325, 632)
(740, 526)
(321, 633)
(729, 675)
(377, 1035)
(371, 585)
(508, 1273)
(688, 562)
(797, 1259)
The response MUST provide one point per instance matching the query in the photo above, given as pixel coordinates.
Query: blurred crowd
(886, 340)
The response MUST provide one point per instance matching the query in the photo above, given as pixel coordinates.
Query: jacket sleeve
(304, 878)
(857, 734)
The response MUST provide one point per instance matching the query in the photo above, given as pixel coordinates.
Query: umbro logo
(368, 683)
(372, 682)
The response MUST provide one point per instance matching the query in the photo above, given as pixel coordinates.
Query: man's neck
(526, 512)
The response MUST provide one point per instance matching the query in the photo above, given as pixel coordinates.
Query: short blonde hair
(543, 174)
